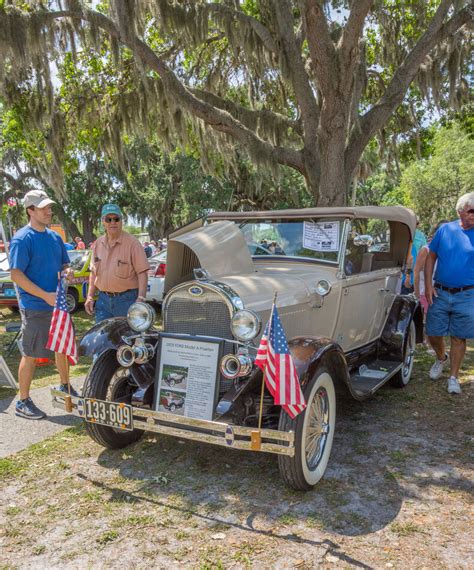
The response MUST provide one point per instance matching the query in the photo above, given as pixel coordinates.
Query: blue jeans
(108, 306)
(451, 314)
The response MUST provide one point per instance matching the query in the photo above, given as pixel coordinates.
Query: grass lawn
(396, 494)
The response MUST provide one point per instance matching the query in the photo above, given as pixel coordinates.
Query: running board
(372, 375)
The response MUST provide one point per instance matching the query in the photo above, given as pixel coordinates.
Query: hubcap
(409, 353)
(318, 428)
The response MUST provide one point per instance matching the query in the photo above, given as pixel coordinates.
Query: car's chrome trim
(216, 433)
(230, 297)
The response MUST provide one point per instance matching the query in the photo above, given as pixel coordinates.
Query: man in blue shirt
(451, 298)
(37, 256)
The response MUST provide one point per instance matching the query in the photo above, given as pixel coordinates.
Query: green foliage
(433, 185)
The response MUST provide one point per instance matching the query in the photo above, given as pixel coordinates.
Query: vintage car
(171, 402)
(174, 378)
(349, 332)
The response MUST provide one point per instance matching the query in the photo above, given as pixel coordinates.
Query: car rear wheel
(402, 377)
(107, 380)
(314, 432)
(72, 300)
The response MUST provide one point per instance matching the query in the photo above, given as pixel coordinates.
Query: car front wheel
(107, 380)
(314, 432)
(72, 300)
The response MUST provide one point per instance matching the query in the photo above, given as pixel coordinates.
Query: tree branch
(219, 120)
(355, 24)
(248, 117)
(321, 46)
(260, 30)
(300, 80)
(380, 113)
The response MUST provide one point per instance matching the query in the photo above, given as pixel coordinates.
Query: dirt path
(397, 494)
(27, 432)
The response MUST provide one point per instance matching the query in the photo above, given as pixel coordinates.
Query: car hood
(258, 289)
(219, 248)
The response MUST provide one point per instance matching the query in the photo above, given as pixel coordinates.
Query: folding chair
(16, 328)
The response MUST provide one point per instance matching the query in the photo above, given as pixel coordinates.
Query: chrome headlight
(323, 287)
(141, 316)
(245, 325)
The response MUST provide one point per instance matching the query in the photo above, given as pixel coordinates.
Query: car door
(363, 297)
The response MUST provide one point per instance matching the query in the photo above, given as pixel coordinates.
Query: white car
(156, 277)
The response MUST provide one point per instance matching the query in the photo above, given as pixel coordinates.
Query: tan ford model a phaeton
(336, 273)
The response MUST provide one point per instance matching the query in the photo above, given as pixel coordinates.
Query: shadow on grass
(118, 495)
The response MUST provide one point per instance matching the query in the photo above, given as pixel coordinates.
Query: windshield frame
(338, 262)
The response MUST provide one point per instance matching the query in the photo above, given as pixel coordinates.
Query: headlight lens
(245, 325)
(140, 316)
(323, 287)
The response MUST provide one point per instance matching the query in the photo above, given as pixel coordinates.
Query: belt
(453, 289)
(115, 294)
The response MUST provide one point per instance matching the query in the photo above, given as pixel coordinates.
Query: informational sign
(321, 236)
(187, 376)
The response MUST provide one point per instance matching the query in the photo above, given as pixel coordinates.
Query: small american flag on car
(276, 363)
(62, 337)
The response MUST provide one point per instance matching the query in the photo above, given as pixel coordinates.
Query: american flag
(276, 363)
(62, 337)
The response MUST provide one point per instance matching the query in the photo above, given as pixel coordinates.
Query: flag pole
(67, 399)
(256, 436)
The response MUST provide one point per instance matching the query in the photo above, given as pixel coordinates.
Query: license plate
(9, 292)
(108, 413)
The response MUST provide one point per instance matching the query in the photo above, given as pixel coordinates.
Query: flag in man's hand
(276, 363)
(62, 337)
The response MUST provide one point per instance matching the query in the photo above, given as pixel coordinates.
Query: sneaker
(437, 369)
(26, 409)
(64, 388)
(453, 385)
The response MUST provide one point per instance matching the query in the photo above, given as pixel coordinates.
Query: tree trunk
(66, 222)
(87, 227)
(333, 186)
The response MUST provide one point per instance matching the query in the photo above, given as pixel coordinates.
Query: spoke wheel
(107, 380)
(314, 432)
(403, 376)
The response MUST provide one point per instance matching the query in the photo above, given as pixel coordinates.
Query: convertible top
(389, 213)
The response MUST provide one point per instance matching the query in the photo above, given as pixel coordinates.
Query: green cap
(111, 209)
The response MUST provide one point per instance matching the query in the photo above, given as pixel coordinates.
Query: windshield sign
(317, 239)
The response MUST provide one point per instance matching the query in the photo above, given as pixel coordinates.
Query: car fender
(105, 336)
(404, 310)
(309, 351)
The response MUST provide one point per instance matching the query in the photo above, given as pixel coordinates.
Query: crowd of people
(440, 273)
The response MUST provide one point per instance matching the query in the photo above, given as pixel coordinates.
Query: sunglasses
(471, 211)
(108, 220)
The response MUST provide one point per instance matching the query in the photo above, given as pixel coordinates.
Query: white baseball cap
(38, 199)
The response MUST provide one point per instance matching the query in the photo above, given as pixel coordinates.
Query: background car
(156, 277)
(79, 285)
(7, 289)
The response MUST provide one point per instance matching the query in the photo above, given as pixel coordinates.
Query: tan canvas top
(389, 213)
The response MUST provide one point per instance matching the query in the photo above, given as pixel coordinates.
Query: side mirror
(363, 240)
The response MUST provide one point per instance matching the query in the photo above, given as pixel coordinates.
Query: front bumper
(216, 433)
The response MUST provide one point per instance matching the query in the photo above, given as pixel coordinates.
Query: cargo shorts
(34, 332)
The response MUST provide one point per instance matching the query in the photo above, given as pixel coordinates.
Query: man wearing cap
(37, 256)
(119, 269)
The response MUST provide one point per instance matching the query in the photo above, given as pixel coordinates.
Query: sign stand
(6, 377)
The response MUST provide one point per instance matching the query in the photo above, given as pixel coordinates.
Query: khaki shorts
(35, 331)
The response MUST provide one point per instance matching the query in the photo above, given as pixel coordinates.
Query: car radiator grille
(206, 315)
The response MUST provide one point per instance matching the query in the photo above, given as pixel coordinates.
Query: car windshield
(316, 239)
(78, 258)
